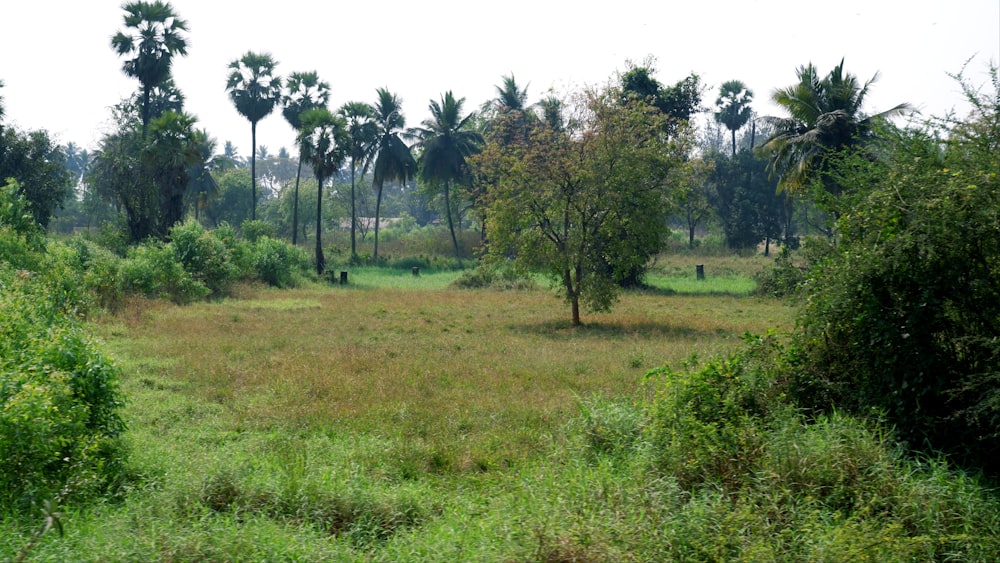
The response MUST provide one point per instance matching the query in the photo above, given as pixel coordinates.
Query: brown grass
(476, 374)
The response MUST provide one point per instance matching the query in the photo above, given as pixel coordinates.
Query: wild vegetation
(179, 382)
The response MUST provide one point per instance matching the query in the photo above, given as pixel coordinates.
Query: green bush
(254, 230)
(708, 425)
(59, 400)
(278, 263)
(205, 257)
(904, 318)
(152, 270)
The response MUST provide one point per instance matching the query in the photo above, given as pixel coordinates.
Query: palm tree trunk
(451, 223)
(378, 206)
(354, 213)
(295, 204)
(320, 260)
(253, 170)
(733, 131)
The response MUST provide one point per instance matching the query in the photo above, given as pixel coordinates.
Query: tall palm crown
(324, 142)
(155, 37)
(255, 91)
(446, 141)
(824, 115)
(391, 158)
(362, 131)
(303, 91)
(732, 107)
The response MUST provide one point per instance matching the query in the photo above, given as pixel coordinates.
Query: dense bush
(904, 318)
(59, 398)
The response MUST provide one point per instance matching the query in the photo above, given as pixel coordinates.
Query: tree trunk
(354, 213)
(733, 131)
(253, 170)
(295, 204)
(320, 260)
(378, 207)
(451, 224)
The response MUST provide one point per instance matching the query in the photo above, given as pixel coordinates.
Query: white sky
(60, 73)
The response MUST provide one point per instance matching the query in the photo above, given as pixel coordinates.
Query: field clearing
(474, 374)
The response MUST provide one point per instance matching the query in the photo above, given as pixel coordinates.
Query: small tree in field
(584, 204)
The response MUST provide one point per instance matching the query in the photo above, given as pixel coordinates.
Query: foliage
(59, 399)
(732, 107)
(157, 38)
(389, 158)
(324, 144)
(585, 206)
(446, 141)
(746, 201)
(39, 166)
(255, 91)
(824, 116)
(905, 317)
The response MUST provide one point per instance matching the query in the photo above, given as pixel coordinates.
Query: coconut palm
(155, 37)
(362, 130)
(824, 115)
(446, 141)
(303, 91)
(732, 107)
(324, 142)
(391, 158)
(255, 91)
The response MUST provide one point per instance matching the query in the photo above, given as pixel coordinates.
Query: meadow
(399, 418)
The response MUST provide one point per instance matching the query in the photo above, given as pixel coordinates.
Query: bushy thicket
(903, 318)
(731, 470)
(59, 398)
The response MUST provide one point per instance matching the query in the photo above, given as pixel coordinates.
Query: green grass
(397, 419)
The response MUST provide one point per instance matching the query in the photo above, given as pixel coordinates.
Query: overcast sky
(61, 75)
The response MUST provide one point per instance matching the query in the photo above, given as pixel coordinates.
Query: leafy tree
(391, 158)
(255, 91)
(565, 198)
(732, 107)
(39, 166)
(746, 201)
(824, 116)
(303, 91)
(201, 185)
(362, 129)
(678, 102)
(154, 39)
(325, 143)
(446, 141)
(231, 202)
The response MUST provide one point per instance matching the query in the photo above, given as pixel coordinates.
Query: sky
(61, 74)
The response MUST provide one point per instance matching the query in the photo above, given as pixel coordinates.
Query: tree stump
(700, 271)
(416, 271)
(343, 278)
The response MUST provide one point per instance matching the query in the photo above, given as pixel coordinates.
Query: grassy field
(399, 419)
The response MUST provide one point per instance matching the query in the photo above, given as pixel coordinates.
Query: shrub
(152, 270)
(205, 257)
(707, 425)
(59, 400)
(904, 319)
(254, 230)
(277, 263)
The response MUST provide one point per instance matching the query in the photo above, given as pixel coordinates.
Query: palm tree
(390, 158)
(362, 129)
(255, 91)
(168, 157)
(202, 186)
(150, 49)
(732, 107)
(445, 142)
(303, 91)
(324, 143)
(824, 116)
